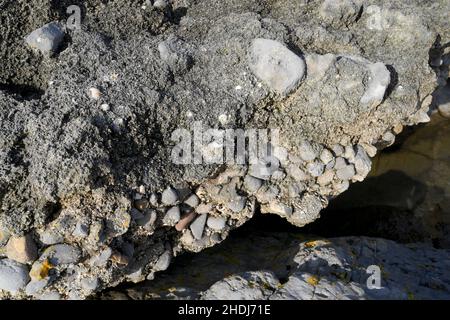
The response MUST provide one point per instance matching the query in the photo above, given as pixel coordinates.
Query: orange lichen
(41, 270)
(311, 244)
(313, 280)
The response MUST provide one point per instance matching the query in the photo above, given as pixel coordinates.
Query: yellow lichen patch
(311, 244)
(40, 271)
(313, 280)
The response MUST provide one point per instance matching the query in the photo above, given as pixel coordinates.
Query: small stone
(338, 150)
(198, 226)
(444, 110)
(307, 151)
(94, 93)
(277, 66)
(326, 156)
(21, 249)
(398, 128)
(34, 287)
(46, 39)
(237, 205)
(349, 153)
(172, 216)
(370, 149)
(119, 258)
(277, 208)
(50, 236)
(326, 178)
(13, 276)
(252, 184)
(81, 230)
(267, 193)
(89, 284)
(296, 189)
(169, 197)
(4, 236)
(378, 82)
(163, 261)
(388, 137)
(296, 173)
(141, 204)
(153, 199)
(315, 168)
(160, 4)
(340, 163)
(420, 117)
(105, 107)
(50, 296)
(185, 220)
(342, 186)
(216, 223)
(136, 214)
(278, 175)
(362, 162)
(61, 254)
(101, 259)
(346, 173)
(330, 164)
(193, 201)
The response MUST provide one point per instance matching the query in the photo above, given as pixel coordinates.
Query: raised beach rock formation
(87, 168)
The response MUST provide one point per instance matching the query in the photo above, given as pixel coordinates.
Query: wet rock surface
(87, 120)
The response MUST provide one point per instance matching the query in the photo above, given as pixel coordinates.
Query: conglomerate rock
(90, 153)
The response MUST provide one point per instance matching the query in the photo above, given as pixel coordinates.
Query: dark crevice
(26, 92)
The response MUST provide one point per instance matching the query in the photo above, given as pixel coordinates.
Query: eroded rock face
(87, 166)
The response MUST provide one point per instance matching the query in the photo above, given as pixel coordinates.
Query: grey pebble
(216, 223)
(46, 39)
(169, 197)
(81, 230)
(50, 296)
(136, 214)
(163, 261)
(338, 150)
(315, 168)
(193, 201)
(89, 284)
(102, 258)
(172, 216)
(252, 184)
(277, 66)
(50, 237)
(340, 163)
(13, 276)
(346, 173)
(326, 156)
(307, 151)
(148, 220)
(237, 205)
(33, 287)
(198, 226)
